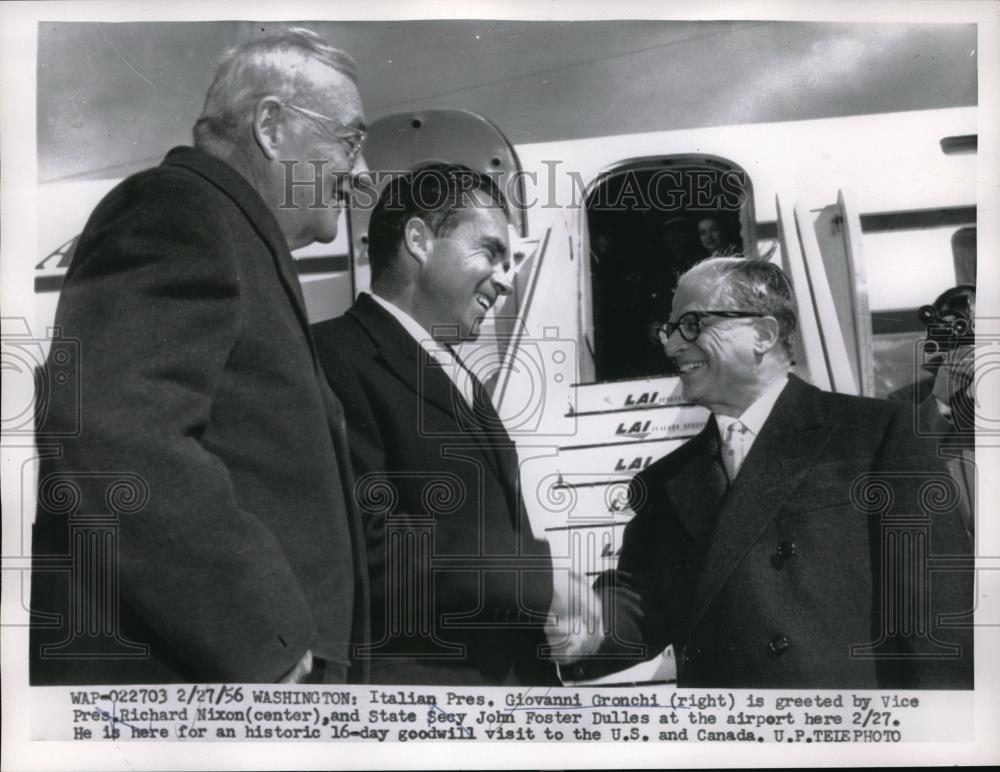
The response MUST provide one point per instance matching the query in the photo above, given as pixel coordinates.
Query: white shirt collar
(753, 417)
(411, 325)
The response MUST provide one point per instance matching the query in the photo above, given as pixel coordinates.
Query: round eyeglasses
(690, 324)
(353, 138)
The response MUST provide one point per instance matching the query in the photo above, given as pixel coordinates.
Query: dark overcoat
(837, 559)
(192, 521)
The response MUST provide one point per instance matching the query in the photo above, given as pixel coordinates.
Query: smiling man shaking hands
(791, 543)
(460, 587)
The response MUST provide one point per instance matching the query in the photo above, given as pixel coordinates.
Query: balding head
(291, 65)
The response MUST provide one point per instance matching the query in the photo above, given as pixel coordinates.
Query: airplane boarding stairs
(577, 491)
(579, 444)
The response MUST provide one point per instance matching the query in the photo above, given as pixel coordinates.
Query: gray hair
(758, 286)
(271, 65)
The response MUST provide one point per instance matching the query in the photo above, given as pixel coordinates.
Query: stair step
(670, 422)
(572, 500)
(598, 464)
(642, 393)
(589, 551)
(554, 504)
(598, 503)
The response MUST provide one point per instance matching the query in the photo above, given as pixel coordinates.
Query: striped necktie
(734, 448)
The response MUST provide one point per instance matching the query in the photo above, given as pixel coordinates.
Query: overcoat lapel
(789, 442)
(411, 364)
(232, 183)
(691, 488)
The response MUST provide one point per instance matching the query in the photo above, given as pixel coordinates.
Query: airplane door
(838, 233)
(832, 347)
(401, 141)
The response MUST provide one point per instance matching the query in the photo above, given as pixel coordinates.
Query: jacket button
(778, 644)
(692, 653)
(786, 549)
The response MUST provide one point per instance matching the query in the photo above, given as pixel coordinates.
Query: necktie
(734, 449)
(477, 398)
(706, 501)
(484, 413)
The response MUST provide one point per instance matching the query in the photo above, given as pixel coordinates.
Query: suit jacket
(192, 523)
(803, 575)
(460, 586)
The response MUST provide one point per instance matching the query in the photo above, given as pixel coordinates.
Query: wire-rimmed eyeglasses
(689, 324)
(353, 138)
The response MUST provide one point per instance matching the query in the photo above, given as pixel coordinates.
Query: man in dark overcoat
(802, 540)
(194, 523)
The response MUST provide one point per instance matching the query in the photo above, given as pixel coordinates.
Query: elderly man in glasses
(788, 545)
(207, 432)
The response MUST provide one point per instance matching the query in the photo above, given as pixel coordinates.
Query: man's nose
(358, 169)
(675, 344)
(502, 279)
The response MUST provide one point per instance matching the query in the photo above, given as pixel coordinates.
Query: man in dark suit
(803, 539)
(193, 521)
(460, 586)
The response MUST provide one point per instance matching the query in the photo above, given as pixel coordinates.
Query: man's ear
(767, 334)
(418, 240)
(269, 128)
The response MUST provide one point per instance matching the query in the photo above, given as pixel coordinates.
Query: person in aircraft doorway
(715, 239)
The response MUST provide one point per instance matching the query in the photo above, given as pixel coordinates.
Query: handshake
(574, 629)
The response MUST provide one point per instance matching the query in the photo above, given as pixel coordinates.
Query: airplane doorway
(648, 221)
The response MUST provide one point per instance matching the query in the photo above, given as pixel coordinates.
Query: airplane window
(648, 223)
(898, 330)
(963, 250)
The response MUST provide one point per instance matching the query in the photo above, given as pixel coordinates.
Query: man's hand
(573, 629)
(298, 673)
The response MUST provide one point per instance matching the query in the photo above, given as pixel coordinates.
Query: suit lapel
(234, 185)
(494, 438)
(789, 442)
(403, 356)
(694, 489)
(411, 364)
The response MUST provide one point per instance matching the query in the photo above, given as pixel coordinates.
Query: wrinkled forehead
(337, 91)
